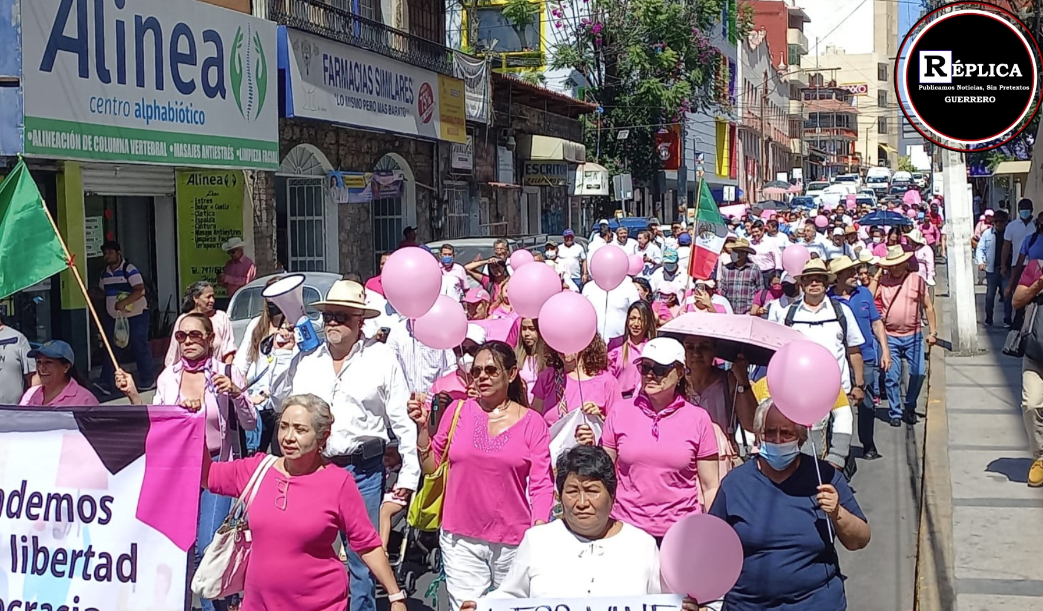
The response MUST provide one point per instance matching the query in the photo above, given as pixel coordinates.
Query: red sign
(425, 103)
(856, 88)
(668, 146)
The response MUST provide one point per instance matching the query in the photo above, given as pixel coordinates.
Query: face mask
(877, 239)
(919, 215)
(776, 291)
(1025, 214)
(780, 455)
(670, 268)
(735, 257)
(273, 311)
(447, 261)
(552, 254)
(464, 362)
(789, 290)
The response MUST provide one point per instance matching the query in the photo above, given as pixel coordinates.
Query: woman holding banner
(780, 512)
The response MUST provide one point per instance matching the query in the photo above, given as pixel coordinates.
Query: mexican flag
(710, 232)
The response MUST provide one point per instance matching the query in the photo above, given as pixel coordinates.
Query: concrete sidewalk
(981, 526)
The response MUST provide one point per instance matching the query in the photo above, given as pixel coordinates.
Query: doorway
(530, 211)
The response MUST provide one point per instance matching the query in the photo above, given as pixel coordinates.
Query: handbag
(425, 511)
(222, 571)
(1024, 340)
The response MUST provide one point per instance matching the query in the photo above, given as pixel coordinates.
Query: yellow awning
(547, 148)
(1012, 167)
(888, 149)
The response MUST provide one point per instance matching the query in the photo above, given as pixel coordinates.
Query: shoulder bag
(425, 512)
(222, 571)
(1026, 340)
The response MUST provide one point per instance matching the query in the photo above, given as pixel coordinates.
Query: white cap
(838, 231)
(475, 333)
(603, 222)
(674, 288)
(663, 350)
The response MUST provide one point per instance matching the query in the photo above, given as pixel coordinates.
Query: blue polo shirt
(863, 306)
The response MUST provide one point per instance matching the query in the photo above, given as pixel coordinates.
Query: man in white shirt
(1017, 230)
(684, 250)
(605, 236)
(670, 271)
(611, 307)
(656, 233)
(421, 365)
(362, 381)
(790, 295)
(628, 245)
(836, 247)
(766, 254)
(572, 259)
(454, 277)
(649, 252)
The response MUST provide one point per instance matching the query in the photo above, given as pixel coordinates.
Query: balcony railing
(333, 19)
(797, 40)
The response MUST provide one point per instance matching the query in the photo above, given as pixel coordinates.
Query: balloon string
(818, 473)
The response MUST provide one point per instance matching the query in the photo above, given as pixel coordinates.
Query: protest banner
(98, 507)
(650, 602)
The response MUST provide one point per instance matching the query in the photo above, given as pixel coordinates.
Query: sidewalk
(981, 527)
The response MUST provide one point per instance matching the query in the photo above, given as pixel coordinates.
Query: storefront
(150, 154)
(548, 205)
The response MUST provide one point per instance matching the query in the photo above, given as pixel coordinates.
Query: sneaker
(870, 455)
(1035, 478)
(896, 422)
(988, 322)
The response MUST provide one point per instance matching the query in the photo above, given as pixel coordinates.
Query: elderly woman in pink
(641, 327)
(664, 447)
(499, 456)
(200, 383)
(199, 299)
(60, 382)
(576, 381)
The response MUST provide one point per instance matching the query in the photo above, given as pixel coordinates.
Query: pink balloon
(911, 213)
(444, 326)
(531, 287)
(804, 381)
(794, 258)
(637, 263)
(851, 199)
(412, 281)
(519, 258)
(609, 266)
(567, 321)
(701, 556)
(821, 221)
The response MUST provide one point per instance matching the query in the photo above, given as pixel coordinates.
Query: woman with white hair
(787, 521)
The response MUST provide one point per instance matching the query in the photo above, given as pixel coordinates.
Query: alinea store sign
(175, 82)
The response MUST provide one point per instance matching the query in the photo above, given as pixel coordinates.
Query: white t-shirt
(653, 256)
(684, 255)
(822, 327)
(569, 258)
(611, 320)
(630, 247)
(1016, 233)
(658, 277)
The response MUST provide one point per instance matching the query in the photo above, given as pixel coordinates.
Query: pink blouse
(218, 435)
(294, 521)
(500, 486)
(73, 395)
(601, 390)
(621, 365)
(224, 338)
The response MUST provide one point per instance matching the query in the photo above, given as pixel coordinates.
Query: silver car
(247, 302)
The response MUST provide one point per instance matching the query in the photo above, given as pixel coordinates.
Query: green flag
(30, 250)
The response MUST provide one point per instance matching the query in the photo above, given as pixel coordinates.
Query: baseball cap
(603, 222)
(568, 233)
(684, 239)
(477, 295)
(475, 333)
(670, 256)
(54, 349)
(662, 350)
(990, 212)
(838, 231)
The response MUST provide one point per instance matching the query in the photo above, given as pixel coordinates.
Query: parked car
(803, 201)
(634, 224)
(247, 302)
(815, 188)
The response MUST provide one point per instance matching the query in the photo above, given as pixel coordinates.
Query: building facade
(832, 128)
(764, 128)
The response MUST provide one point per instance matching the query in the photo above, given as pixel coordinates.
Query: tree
(645, 63)
(905, 164)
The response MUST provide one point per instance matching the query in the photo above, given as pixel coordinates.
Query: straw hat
(741, 245)
(896, 255)
(841, 263)
(816, 267)
(916, 236)
(232, 244)
(865, 257)
(347, 294)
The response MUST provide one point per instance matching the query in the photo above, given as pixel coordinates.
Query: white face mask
(465, 362)
(735, 257)
(877, 239)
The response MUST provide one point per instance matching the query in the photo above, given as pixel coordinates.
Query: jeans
(911, 350)
(139, 327)
(213, 509)
(369, 477)
(866, 411)
(996, 283)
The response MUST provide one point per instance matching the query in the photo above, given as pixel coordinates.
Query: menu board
(93, 235)
(209, 213)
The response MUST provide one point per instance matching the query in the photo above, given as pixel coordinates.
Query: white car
(816, 188)
(853, 180)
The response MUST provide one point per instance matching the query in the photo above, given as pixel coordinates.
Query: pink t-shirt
(294, 545)
(663, 313)
(375, 285)
(656, 461)
(899, 303)
(224, 338)
(450, 384)
(505, 329)
(73, 395)
(529, 372)
(239, 273)
(601, 390)
(1031, 273)
(487, 497)
(624, 369)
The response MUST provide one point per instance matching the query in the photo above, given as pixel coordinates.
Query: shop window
(305, 224)
(458, 212)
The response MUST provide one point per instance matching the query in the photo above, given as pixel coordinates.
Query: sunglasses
(197, 337)
(656, 369)
(341, 318)
(470, 350)
(489, 370)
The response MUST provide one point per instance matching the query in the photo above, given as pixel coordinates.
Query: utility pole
(961, 274)
(682, 173)
(764, 134)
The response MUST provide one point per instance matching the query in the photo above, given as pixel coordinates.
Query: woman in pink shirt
(575, 381)
(501, 306)
(202, 385)
(641, 327)
(301, 507)
(664, 447)
(60, 383)
(531, 354)
(199, 299)
(500, 482)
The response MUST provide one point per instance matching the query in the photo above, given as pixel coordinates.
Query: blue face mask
(1025, 214)
(919, 215)
(447, 261)
(779, 455)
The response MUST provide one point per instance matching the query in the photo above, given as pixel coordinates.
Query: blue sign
(11, 119)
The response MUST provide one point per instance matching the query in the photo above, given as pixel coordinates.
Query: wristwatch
(396, 597)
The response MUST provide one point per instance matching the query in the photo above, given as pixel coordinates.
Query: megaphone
(288, 295)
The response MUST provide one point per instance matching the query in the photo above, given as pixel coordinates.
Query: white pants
(472, 567)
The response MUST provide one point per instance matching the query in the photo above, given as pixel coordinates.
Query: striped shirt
(120, 282)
